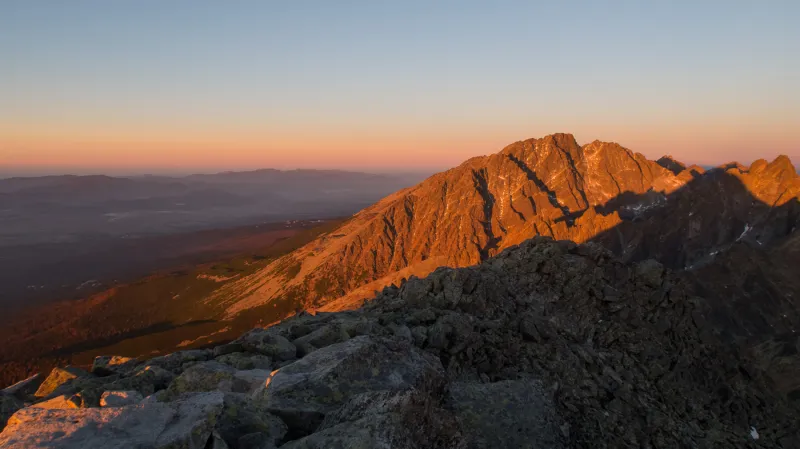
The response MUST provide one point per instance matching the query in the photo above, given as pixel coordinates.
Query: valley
(67, 236)
(159, 313)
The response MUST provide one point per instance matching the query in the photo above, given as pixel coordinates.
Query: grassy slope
(157, 314)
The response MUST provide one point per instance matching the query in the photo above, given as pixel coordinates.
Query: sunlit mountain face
(551, 186)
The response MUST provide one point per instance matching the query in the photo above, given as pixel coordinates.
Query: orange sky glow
(211, 149)
(110, 86)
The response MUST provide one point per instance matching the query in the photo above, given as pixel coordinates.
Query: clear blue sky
(371, 84)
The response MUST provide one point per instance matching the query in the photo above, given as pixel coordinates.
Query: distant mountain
(82, 204)
(75, 221)
(92, 188)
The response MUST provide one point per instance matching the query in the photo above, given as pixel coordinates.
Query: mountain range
(602, 192)
(729, 231)
(87, 204)
(57, 230)
(563, 294)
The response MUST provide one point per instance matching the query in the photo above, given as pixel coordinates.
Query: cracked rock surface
(548, 344)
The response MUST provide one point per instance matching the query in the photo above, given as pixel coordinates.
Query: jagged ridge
(549, 186)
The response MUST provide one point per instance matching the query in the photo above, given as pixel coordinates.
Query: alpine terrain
(550, 295)
(681, 216)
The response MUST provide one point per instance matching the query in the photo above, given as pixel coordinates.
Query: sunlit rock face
(551, 187)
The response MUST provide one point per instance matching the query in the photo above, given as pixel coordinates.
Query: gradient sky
(154, 85)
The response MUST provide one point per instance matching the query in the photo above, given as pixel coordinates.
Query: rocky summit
(640, 209)
(547, 344)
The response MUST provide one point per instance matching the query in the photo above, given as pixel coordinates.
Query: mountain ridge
(550, 186)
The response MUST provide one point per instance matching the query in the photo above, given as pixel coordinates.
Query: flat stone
(303, 392)
(185, 423)
(385, 419)
(60, 402)
(57, 378)
(262, 341)
(25, 387)
(211, 376)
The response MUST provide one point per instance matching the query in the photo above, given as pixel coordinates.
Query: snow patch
(747, 229)
(91, 283)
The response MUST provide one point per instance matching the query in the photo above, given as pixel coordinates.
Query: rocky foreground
(547, 345)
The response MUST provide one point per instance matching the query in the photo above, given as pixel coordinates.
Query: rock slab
(186, 423)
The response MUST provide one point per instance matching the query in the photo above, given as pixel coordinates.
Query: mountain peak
(671, 164)
(781, 165)
(561, 139)
(782, 162)
(548, 186)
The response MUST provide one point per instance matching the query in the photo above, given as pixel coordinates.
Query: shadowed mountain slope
(548, 345)
(550, 186)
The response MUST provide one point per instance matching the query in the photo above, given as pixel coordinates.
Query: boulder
(355, 326)
(105, 365)
(88, 397)
(185, 423)
(120, 398)
(303, 392)
(254, 440)
(83, 391)
(650, 272)
(8, 405)
(24, 388)
(146, 380)
(244, 360)
(60, 402)
(57, 379)
(227, 349)
(206, 376)
(243, 417)
(420, 335)
(174, 362)
(402, 331)
(320, 338)
(386, 419)
(516, 413)
(210, 376)
(249, 380)
(216, 442)
(534, 328)
(270, 344)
